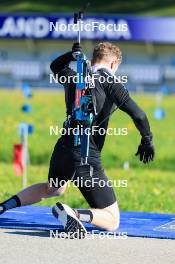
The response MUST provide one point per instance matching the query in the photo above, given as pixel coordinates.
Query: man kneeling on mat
(65, 160)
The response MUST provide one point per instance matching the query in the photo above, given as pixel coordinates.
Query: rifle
(85, 104)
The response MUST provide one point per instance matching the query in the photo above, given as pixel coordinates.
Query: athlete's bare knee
(62, 189)
(113, 210)
(55, 191)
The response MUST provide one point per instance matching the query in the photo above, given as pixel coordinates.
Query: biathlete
(65, 159)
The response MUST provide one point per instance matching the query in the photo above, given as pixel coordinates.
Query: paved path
(36, 247)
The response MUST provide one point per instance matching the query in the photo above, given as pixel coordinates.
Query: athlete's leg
(108, 218)
(37, 192)
(103, 210)
(31, 195)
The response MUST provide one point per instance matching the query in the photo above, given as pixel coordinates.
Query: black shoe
(2, 209)
(72, 225)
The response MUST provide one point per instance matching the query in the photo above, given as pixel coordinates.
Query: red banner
(18, 159)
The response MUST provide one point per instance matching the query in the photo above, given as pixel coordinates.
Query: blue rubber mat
(132, 223)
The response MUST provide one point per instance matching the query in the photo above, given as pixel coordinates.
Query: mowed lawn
(150, 188)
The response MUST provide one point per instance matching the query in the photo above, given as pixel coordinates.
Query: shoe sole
(72, 226)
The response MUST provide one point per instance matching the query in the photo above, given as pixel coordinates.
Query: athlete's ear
(112, 65)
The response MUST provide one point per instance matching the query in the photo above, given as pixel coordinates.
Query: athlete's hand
(146, 150)
(76, 50)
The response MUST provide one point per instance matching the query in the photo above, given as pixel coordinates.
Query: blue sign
(26, 90)
(30, 129)
(26, 108)
(132, 28)
(24, 128)
(159, 114)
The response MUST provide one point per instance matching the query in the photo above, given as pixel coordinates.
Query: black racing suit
(66, 158)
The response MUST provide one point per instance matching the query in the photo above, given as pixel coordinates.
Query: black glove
(76, 49)
(146, 149)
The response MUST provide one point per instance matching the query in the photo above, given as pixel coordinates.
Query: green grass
(149, 7)
(150, 187)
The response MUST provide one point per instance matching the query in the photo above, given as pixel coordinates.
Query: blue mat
(135, 224)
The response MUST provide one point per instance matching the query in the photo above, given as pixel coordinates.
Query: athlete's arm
(120, 96)
(138, 116)
(61, 67)
(145, 150)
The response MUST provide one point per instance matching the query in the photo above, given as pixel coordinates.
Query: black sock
(84, 215)
(13, 202)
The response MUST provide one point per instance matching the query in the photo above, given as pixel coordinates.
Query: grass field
(140, 7)
(150, 187)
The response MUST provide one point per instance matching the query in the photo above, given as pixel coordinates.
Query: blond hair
(104, 50)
